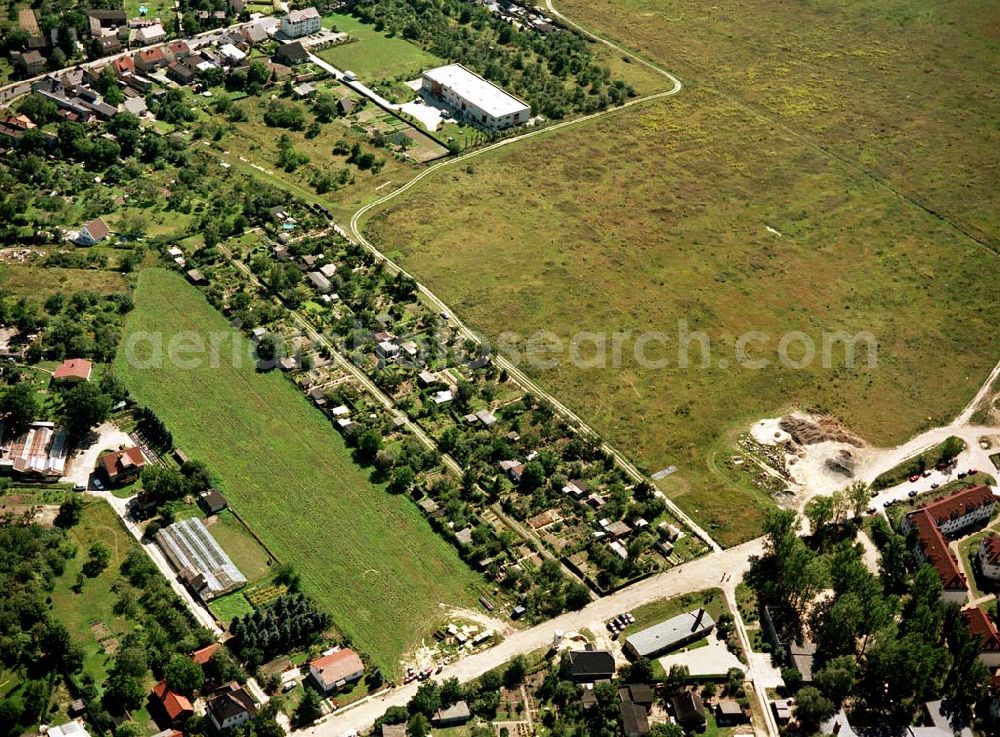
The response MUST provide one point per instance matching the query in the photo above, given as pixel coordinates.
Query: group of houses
(521, 16)
(227, 706)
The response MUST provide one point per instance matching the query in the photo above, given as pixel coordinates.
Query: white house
(335, 670)
(231, 54)
(232, 708)
(299, 23)
(93, 232)
(478, 101)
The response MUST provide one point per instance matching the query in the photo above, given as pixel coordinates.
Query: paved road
(702, 573)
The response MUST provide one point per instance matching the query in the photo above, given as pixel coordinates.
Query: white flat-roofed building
(480, 102)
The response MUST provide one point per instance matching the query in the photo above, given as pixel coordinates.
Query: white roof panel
(473, 88)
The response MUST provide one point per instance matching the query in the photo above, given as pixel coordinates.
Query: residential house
(425, 378)
(122, 466)
(782, 709)
(299, 23)
(149, 60)
(689, 711)
(231, 55)
(181, 73)
(203, 655)
(452, 716)
(635, 719)
(72, 371)
(513, 469)
(147, 35)
(175, 706)
(292, 54)
(335, 670)
(323, 286)
(177, 50)
(255, 33)
(135, 106)
(989, 557)
(123, 65)
(981, 626)
(728, 712)
(231, 708)
(638, 693)
(618, 530)
(106, 22)
(587, 666)
(28, 63)
(576, 488)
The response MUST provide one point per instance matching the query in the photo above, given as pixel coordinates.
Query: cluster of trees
(886, 642)
(164, 484)
(32, 641)
(292, 621)
(554, 72)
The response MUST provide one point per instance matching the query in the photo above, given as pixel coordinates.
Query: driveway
(82, 463)
(713, 659)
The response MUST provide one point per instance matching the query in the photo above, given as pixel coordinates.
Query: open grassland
(901, 89)
(373, 56)
(41, 282)
(658, 215)
(86, 612)
(368, 557)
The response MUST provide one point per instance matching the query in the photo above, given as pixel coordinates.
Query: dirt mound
(809, 431)
(843, 462)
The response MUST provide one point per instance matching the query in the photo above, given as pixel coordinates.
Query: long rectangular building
(478, 101)
(669, 634)
(199, 559)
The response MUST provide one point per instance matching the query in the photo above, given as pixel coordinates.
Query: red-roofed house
(202, 656)
(149, 60)
(177, 50)
(981, 625)
(93, 232)
(123, 65)
(174, 705)
(334, 671)
(73, 370)
(989, 557)
(122, 466)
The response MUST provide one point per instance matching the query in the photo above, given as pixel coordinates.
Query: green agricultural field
(655, 220)
(369, 558)
(40, 282)
(375, 56)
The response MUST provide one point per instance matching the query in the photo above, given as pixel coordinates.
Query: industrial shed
(669, 634)
(198, 558)
(477, 100)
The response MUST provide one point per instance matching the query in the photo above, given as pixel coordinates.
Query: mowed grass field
(660, 214)
(369, 558)
(901, 89)
(374, 56)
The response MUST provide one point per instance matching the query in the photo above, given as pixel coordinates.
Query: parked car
(912, 493)
(934, 486)
(915, 477)
(927, 473)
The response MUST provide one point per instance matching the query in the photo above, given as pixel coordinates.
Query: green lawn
(369, 558)
(227, 607)
(375, 56)
(658, 611)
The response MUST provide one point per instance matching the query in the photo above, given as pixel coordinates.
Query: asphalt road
(702, 573)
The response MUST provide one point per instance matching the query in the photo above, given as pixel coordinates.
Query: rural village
(257, 479)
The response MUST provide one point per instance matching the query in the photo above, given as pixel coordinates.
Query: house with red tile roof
(122, 466)
(173, 704)
(149, 60)
(202, 656)
(73, 370)
(981, 625)
(962, 509)
(337, 669)
(123, 65)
